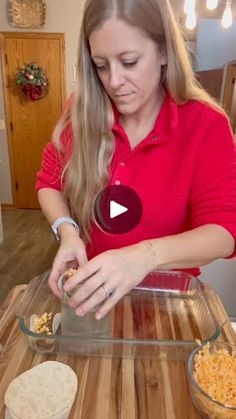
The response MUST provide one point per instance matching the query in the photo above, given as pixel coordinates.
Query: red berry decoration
(33, 82)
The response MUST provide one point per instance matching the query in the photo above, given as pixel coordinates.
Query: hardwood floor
(28, 248)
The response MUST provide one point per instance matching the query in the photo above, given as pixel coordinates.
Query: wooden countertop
(108, 388)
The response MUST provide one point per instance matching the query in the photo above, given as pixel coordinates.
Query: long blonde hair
(87, 171)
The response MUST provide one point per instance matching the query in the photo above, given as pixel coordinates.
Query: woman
(140, 119)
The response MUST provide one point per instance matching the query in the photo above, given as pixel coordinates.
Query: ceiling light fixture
(227, 18)
(211, 4)
(191, 20)
(189, 6)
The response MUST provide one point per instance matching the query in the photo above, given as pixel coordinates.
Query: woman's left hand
(108, 277)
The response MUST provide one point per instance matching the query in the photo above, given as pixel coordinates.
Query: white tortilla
(46, 391)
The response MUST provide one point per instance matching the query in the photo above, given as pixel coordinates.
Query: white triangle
(116, 209)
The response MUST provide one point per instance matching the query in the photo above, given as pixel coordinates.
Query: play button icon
(117, 209)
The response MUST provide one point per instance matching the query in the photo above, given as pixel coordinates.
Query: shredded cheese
(215, 373)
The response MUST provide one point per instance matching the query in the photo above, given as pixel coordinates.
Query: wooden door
(30, 124)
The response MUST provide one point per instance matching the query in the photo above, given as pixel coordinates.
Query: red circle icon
(117, 209)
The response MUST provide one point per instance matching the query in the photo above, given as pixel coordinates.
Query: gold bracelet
(153, 254)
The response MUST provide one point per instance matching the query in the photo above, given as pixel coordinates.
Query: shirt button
(122, 164)
(117, 182)
(154, 137)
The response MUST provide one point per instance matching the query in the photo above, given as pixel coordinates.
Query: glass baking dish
(166, 316)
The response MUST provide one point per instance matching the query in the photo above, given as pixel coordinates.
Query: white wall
(61, 17)
(221, 276)
(215, 45)
(5, 177)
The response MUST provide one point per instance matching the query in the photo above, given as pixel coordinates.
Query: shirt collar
(166, 120)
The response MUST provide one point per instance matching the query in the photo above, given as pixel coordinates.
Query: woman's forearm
(196, 247)
(53, 204)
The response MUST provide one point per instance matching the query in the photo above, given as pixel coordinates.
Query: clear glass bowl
(204, 403)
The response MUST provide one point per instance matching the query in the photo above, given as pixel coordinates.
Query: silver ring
(107, 291)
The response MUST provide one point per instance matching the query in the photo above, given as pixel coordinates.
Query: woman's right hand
(71, 254)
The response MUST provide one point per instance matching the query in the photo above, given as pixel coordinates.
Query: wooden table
(109, 388)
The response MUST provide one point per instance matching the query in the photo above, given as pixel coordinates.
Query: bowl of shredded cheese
(212, 378)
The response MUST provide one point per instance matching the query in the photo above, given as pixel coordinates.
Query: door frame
(6, 95)
(228, 91)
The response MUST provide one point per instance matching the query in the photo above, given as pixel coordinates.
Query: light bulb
(189, 6)
(212, 4)
(227, 18)
(191, 20)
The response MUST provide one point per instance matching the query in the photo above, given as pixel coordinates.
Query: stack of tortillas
(46, 391)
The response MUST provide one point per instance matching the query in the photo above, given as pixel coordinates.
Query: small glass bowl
(71, 324)
(204, 403)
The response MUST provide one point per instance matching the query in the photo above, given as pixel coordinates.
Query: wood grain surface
(109, 388)
(28, 248)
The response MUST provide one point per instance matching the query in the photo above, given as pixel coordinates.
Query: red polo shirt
(184, 171)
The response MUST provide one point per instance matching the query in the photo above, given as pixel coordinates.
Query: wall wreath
(32, 81)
